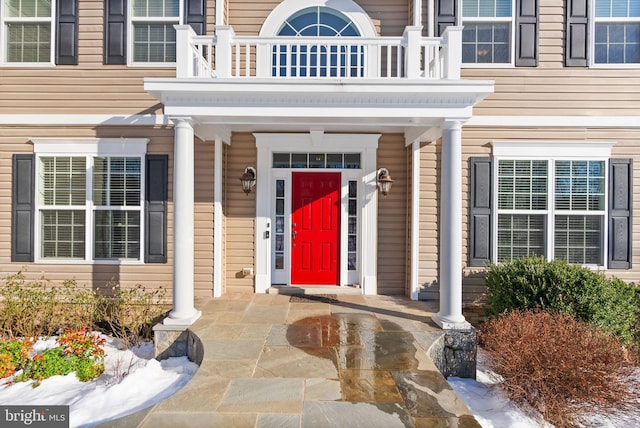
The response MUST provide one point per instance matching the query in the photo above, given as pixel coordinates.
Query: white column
(450, 314)
(415, 217)
(431, 11)
(217, 218)
(417, 12)
(220, 5)
(184, 313)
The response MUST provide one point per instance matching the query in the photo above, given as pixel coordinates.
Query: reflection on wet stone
(376, 362)
(369, 386)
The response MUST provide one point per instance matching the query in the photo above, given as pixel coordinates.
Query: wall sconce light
(248, 179)
(384, 181)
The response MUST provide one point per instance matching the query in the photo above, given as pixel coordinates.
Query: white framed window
(488, 34)
(153, 37)
(553, 205)
(616, 33)
(89, 205)
(27, 32)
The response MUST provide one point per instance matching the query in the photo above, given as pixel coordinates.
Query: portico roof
(221, 106)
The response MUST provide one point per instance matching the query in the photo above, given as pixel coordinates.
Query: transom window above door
(317, 160)
(318, 22)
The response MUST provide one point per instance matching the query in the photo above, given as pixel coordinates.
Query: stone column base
(455, 353)
(173, 341)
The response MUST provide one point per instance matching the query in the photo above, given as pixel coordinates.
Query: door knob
(293, 234)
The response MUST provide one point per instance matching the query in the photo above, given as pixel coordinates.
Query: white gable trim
(288, 7)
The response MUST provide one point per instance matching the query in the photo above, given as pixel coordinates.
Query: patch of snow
(493, 410)
(132, 381)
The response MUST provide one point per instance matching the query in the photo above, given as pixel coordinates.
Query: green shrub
(14, 355)
(77, 351)
(532, 282)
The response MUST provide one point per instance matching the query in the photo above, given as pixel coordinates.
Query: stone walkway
(338, 361)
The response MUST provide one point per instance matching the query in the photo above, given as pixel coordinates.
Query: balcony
(228, 83)
(227, 55)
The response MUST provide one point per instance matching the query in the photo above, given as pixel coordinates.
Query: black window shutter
(67, 32)
(447, 12)
(620, 213)
(115, 31)
(577, 33)
(480, 212)
(196, 15)
(156, 192)
(22, 208)
(527, 33)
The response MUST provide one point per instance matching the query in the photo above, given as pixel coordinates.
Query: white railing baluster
(226, 55)
(297, 67)
(247, 60)
(287, 59)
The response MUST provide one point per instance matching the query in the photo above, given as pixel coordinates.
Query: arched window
(318, 22)
(314, 59)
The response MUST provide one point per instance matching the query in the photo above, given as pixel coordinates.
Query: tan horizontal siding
(476, 142)
(89, 87)
(93, 88)
(247, 16)
(390, 18)
(203, 218)
(553, 89)
(392, 217)
(428, 223)
(16, 140)
(211, 16)
(77, 90)
(240, 212)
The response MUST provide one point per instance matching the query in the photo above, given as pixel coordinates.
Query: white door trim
(366, 145)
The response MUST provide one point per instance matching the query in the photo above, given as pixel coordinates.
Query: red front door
(315, 228)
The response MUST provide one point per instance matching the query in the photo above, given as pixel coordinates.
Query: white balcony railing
(226, 55)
